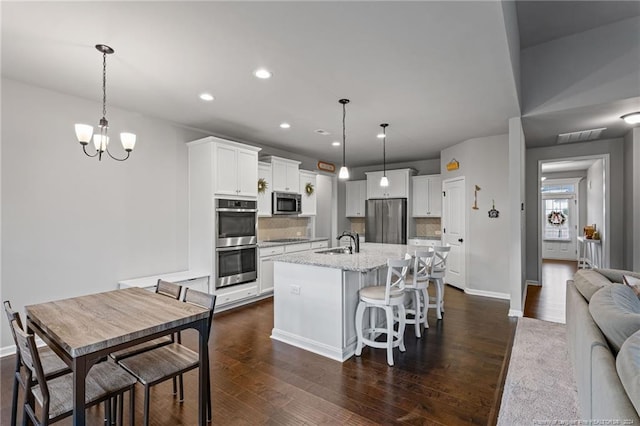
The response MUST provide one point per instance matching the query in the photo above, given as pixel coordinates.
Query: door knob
(460, 240)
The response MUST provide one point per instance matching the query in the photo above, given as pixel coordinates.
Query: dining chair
(417, 304)
(386, 297)
(438, 271)
(170, 361)
(52, 365)
(105, 381)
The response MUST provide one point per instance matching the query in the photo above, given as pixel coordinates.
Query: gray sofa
(603, 334)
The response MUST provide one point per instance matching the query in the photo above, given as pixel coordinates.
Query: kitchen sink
(338, 250)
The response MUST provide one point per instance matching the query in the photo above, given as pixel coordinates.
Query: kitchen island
(316, 295)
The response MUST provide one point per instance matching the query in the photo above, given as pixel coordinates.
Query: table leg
(79, 374)
(203, 370)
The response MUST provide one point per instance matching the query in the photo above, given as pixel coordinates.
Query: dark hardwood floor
(547, 302)
(452, 376)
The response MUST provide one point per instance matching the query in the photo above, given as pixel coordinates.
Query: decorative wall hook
(475, 198)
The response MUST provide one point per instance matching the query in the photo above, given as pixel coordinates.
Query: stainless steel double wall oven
(236, 242)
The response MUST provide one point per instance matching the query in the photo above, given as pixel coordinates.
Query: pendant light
(344, 171)
(384, 182)
(84, 132)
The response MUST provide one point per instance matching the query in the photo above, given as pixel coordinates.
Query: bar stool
(416, 287)
(384, 297)
(438, 271)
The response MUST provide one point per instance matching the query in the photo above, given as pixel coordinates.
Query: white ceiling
(425, 68)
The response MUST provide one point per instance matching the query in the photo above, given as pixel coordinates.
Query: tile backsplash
(427, 226)
(270, 228)
(357, 225)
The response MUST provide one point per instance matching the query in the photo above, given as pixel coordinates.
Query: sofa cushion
(616, 310)
(589, 281)
(628, 367)
(615, 275)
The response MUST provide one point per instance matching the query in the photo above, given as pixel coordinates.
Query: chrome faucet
(352, 236)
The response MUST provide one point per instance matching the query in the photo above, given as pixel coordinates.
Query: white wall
(485, 162)
(595, 198)
(72, 225)
(632, 200)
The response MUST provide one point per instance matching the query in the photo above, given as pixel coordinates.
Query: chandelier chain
(344, 133)
(104, 84)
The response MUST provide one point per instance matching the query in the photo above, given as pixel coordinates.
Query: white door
(559, 227)
(453, 230)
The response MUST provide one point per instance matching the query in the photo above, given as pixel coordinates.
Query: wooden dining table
(82, 330)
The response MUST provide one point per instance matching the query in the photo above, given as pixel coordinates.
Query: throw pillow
(616, 310)
(632, 282)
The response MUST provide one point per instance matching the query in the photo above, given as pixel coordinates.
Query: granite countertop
(431, 237)
(371, 256)
(285, 241)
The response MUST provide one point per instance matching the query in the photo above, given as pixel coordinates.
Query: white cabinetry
(399, 184)
(308, 200)
(422, 243)
(264, 198)
(427, 196)
(236, 170)
(217, 169)
(355, 198)
(197, 280)
(285, 174)
(265, 273)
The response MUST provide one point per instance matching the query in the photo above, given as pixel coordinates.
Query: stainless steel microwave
(286, 203)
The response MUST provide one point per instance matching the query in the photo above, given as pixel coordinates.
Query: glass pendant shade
(128, 141)
(384, 182)
(84, 132)
(344, 173)
(100, 142)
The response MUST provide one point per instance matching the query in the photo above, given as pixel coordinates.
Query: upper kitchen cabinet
(231, 168)
(399, 184)
(427, 196)
(308, 190)
(264, 197)
(285, 174)
(356, 196)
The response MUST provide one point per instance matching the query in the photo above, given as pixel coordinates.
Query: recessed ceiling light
(632, 118)
(285, 125)
(335, 143)
(206, 97)
(262, 73)
(380, 135)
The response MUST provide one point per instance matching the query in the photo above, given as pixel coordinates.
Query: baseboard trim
(11, 349)
(484, 293)
(515, 313)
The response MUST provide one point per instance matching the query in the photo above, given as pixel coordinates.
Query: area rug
(540, 387)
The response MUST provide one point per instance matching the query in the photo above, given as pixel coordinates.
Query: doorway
(583, 182)
(454, 224)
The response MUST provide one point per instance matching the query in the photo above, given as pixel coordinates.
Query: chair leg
(14, 398)
(181, 385)
(146, 406)
(403, 322)
(209, 415)
(114, 410)
(120, 409)
(132, 405)
(389, 312)
(107, 412)
(425, 297)
(442, 295)
(417, 313)
(438, 299)
(175, 386)
(359, 323)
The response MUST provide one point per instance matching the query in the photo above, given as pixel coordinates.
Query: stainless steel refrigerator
(386, 221)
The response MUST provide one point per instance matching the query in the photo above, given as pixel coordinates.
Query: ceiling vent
(580, 136)
(322, 132)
